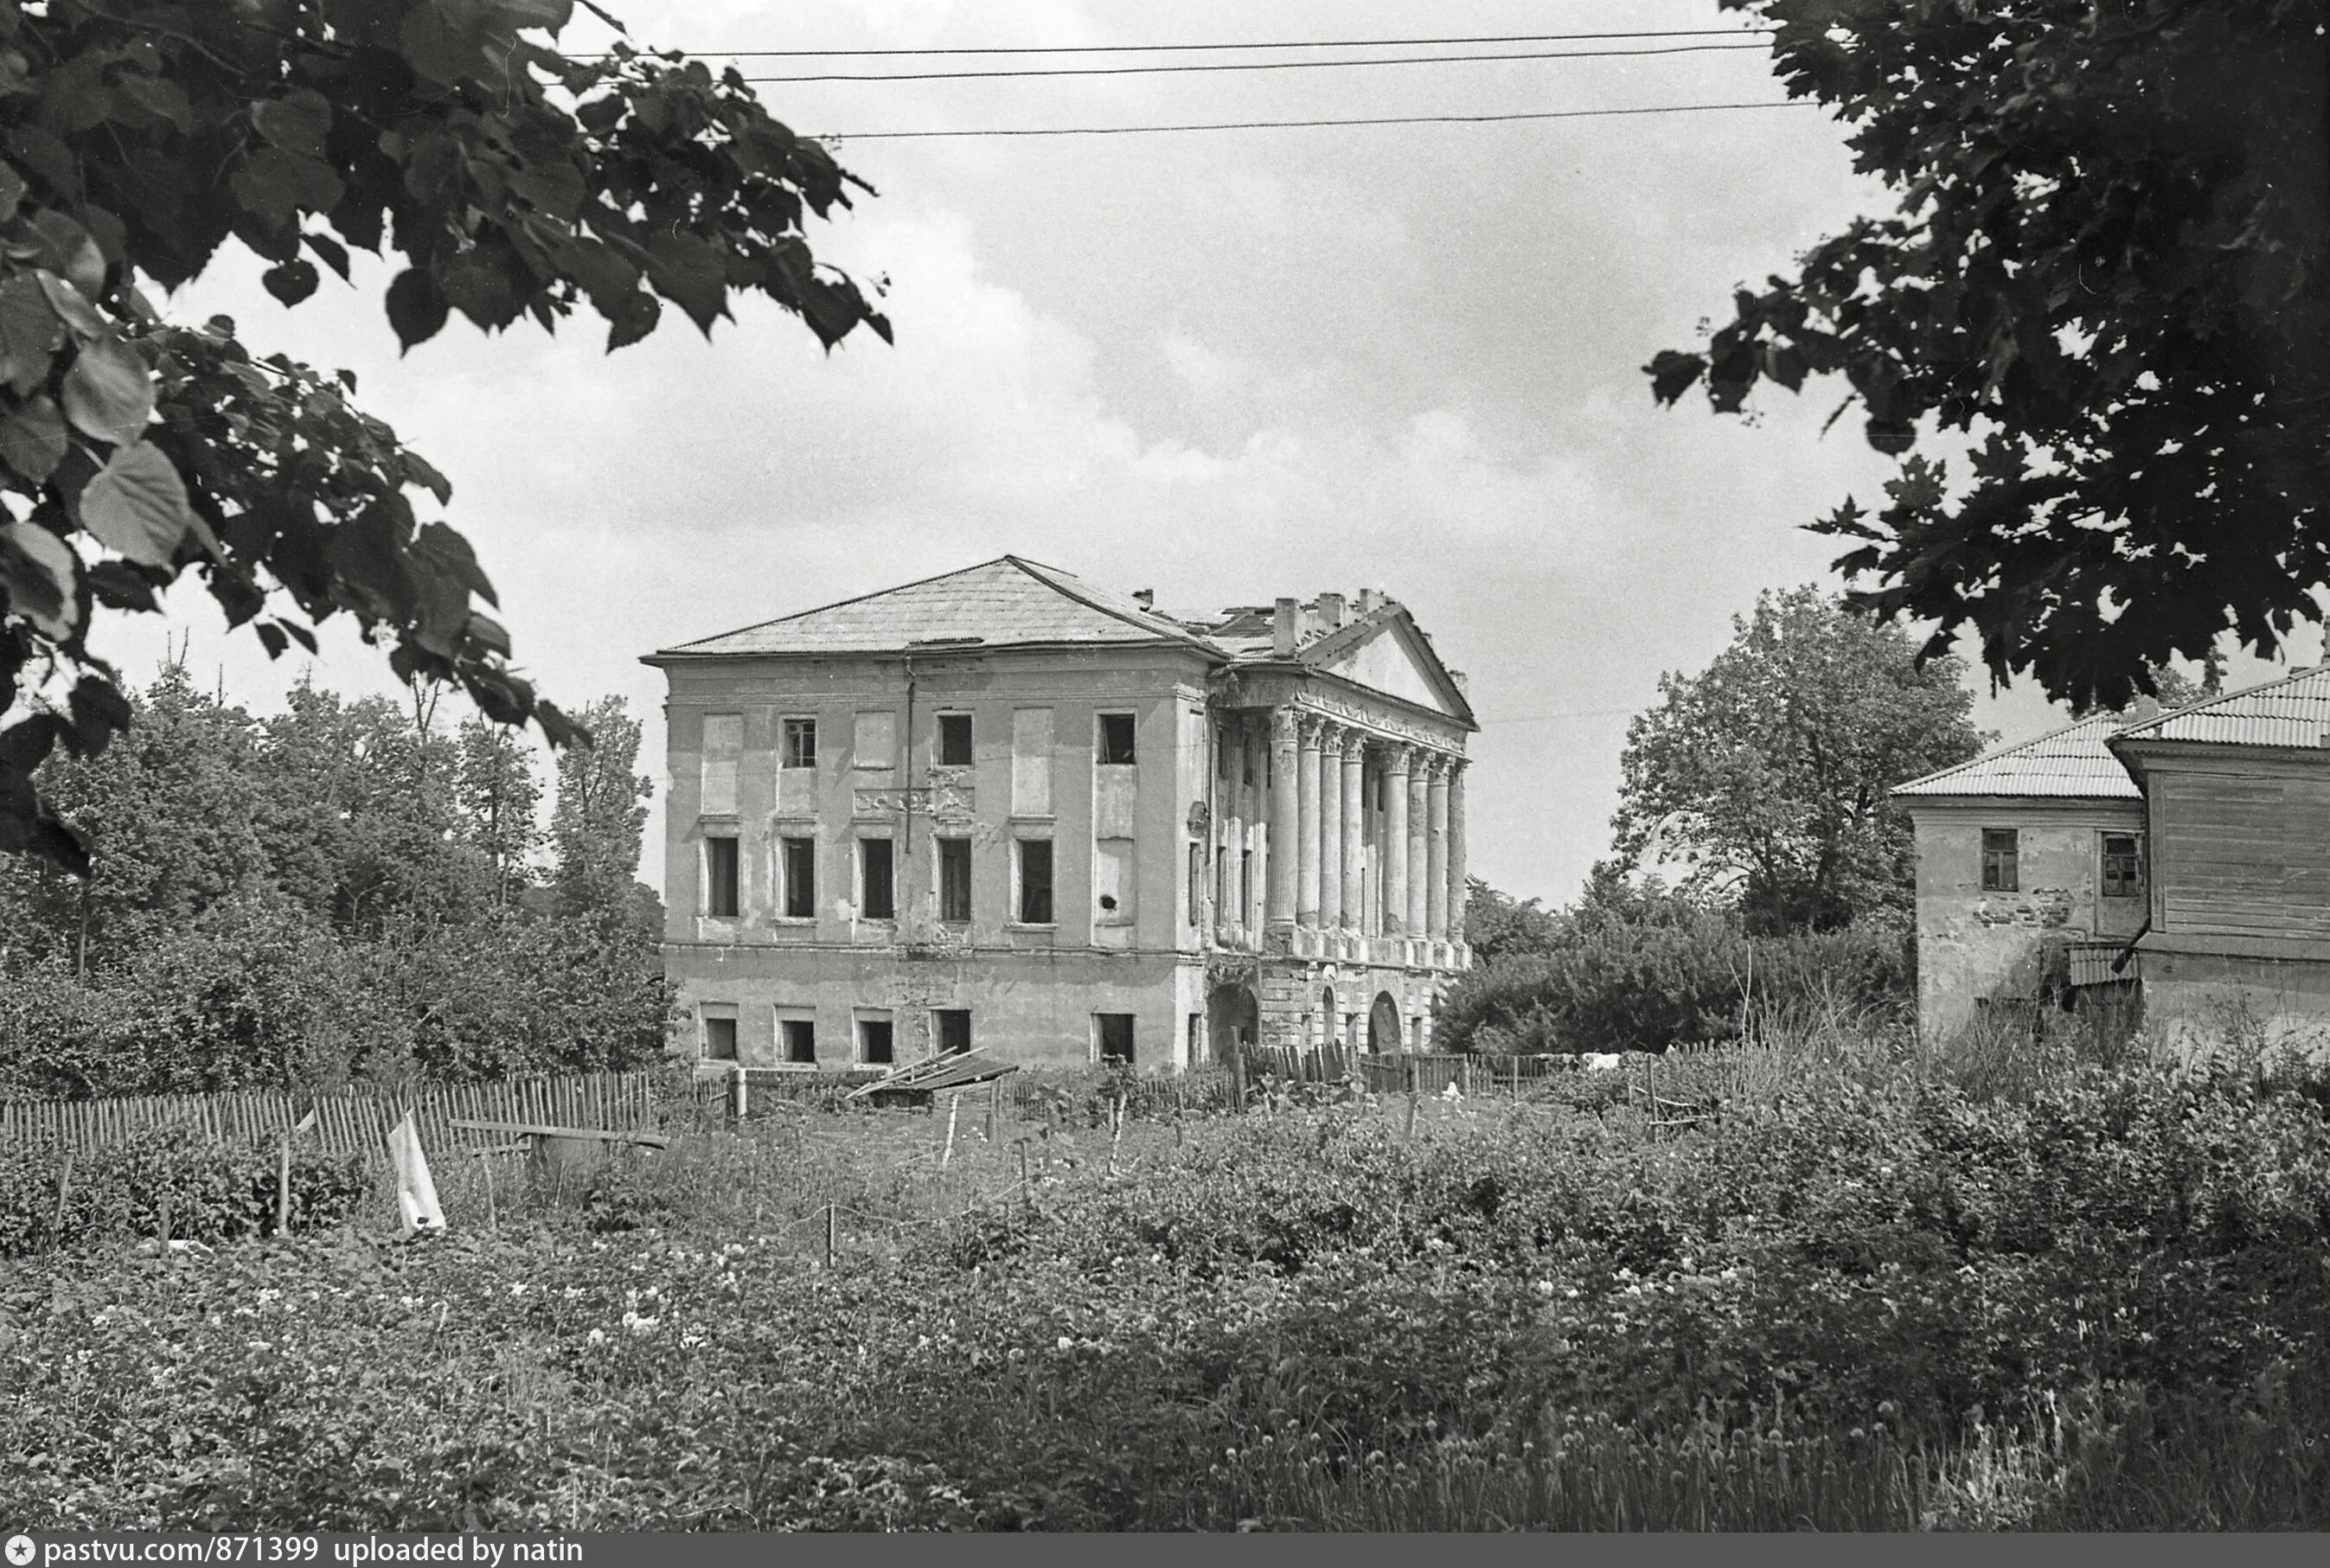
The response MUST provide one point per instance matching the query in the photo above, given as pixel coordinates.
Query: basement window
(799, 1038)
(1113, 1038)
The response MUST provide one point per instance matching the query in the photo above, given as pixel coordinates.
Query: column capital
(1286, 726)
(1354, 745)
(1400, 756)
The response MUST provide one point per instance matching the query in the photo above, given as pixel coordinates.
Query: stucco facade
(1980, 944)
(1197, 787)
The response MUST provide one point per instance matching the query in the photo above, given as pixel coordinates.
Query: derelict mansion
(1006, 810)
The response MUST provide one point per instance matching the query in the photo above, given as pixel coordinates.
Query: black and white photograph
(1327, 766)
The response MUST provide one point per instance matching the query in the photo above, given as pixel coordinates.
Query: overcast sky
(1226, 366)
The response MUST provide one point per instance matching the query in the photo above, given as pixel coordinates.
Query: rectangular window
(797, 1038)
(952, 1028)
(954, 740)
(875, 742)
(1221, 881)
(2123, 866)
(798, 858)
(723, 744)
(1246, 881)
(1115, 741)
(1113, 1038)
(1035, 878)
(1116, 878)
(1196, 880)
(1031, 761)
(800, 746)
(720, 876)
(875, 1047)
(2000, 872)
(954, 879)
(877, 888)
(720, 1035)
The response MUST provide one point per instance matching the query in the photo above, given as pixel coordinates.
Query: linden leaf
(32, 439)
(136, 504)
(110, 391)
(40, 572)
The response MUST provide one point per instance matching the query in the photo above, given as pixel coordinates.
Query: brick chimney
(1331, 610)
(1285, 628)
(1368, 601)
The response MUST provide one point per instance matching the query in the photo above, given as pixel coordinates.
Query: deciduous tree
(508, 179)
(1768, 772)
(2109, 268)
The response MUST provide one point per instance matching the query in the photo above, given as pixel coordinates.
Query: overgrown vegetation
(347, 890)
(1882, 1291)
(197, 1187)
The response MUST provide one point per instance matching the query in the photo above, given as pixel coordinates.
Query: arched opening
(1330, 1022)
(1384, 1032)
(1232, 1016)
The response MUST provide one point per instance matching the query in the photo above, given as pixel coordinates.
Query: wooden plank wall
(2243, 855)
(356, 1123)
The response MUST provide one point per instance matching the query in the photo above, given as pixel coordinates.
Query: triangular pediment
(1390, 656)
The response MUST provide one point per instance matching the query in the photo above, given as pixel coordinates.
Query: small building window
(877, 1047)
(798, 865)
(797, 1036)
(954, 740)
(1113, 1038)
(1035, 878)
(2123, 866)
(1196, 880)
(799, 743)
(1999, 854)
(720, 876)
(877, 888)
(954, 879)
(720, 1036)
(1116, 740)
(951, 1026)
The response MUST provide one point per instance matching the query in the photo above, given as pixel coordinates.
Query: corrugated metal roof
(2071, 762)
(2294, 711)
(1000, 603)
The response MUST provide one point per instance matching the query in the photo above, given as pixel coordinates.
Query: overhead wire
(1211, 67)
(1223, 47)
(1109, 130)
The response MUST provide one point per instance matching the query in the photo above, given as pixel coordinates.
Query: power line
(1224, 48)
(1120, 131)
(1258, 64)
(1572, 713)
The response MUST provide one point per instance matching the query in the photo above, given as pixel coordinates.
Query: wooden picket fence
(354, 1122)
(1395, 1072)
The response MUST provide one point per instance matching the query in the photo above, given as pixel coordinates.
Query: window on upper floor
(797, 864)
(877, 881)
(1116, 740)
(1034, 877)
(797, 747)
(954, 740)
(2001, 854)
(720, 876)
(2123, 856)
(954, 879)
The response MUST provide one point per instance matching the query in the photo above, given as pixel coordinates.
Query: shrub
(217, 1190)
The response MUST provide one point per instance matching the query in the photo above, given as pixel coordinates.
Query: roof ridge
(2001, 753)
(2263, 687)
(1082, 593)
(839, 603)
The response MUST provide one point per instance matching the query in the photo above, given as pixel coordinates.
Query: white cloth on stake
(416, 1194)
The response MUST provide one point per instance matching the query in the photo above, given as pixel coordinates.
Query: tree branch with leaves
(138, 137)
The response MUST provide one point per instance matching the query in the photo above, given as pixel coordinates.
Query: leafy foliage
(2106, 1303)
(214, 1191)
(2110, 268)
(138, 137)
(340, 890)
(1770, 771)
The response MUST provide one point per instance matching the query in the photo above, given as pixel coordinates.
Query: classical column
(1394, 840)
(1331, 826)
(1306, 831)
(1285, 818)
(1253, 773)
(1435, 915)
(1419, 845)
(1229, 763)
(1355, 825)
(1456, 891)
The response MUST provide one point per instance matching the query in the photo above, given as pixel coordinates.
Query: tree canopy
(1768, 771)
(2109, 268)
(509, 179)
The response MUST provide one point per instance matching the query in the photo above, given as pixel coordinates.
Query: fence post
(954, 1104)
(994, 1107)
(1026, 1192)
(64, 1191)
(832, 1223)
(162, 1228)
(283, 1188)
(740, 1096)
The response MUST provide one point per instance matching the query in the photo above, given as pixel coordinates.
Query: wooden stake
(486, 1169)
(283, 1188)
(64, 1191)
(954, 1104)
(994, 1107)
(740, 1096)
(1027, 1191)
(1116, 1133)
(162, 1226)
(1408, 1117)
(832, 1223)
